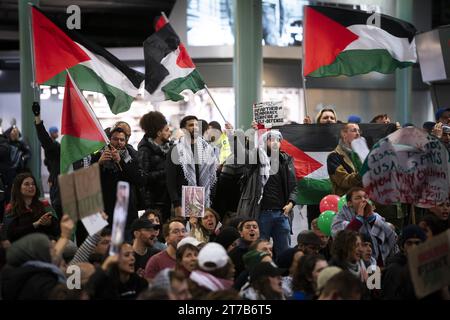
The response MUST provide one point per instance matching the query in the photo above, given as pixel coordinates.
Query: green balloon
(342, 201)
(325, 221)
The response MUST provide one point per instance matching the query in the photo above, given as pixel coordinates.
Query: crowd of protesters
(239, 249)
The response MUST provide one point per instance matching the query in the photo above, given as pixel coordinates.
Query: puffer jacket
(152, 160)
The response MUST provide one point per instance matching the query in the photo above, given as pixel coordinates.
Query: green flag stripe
(311, 191)
(74, 149)
(352, 62)
(192, 81)
(86, 79)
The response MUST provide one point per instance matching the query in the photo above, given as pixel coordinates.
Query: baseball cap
(354, 119)
(144, 224)
(266, 269)
(440, 111)
(212, 256)
(186, 240)
(53, 129)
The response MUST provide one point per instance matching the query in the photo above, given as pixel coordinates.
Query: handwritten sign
(268, 113)
(429, 265)
(408, 166)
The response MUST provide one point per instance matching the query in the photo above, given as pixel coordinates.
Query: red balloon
(329, 202)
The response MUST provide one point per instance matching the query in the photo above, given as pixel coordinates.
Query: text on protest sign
(269, 113)
(408, 166)
(429, 265)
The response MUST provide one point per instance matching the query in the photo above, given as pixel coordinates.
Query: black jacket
(251, 186)
(396, 283)
(27, 283)
(111, 174)
(175, 179)
(52, 151)
(152, 161)
(106, 286)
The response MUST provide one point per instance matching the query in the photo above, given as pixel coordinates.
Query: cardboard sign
(193, 201)
(81, 192)
(429, 265)
(269, 113)
(94, 223)
(120, 216)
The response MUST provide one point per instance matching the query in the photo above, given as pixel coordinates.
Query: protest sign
(408, 166)
(120, 216)
(429, 265)
(268, 113)
(94, 223)
(359, 146)
(81, 193)
(193, 201)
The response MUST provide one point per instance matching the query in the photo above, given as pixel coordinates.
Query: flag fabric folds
(92, 67)
(168, 67)
(82, 132)
(310, 144)
(350, 42)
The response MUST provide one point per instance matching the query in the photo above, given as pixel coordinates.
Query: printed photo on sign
(120, 216)
(193, 201)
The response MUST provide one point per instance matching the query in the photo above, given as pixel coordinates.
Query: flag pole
(214, 101)
(305, 100)
(34, 85)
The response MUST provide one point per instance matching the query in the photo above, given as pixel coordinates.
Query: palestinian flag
(169, 69)
(82, 132)
(346, 42)
(310, 144)
(92, 67)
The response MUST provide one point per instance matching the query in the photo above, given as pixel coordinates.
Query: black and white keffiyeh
(206, 160)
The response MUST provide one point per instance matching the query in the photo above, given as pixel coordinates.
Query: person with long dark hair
(304, 281)
(117, 279)
(27, 214)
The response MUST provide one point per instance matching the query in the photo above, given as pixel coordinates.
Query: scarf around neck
(206, 161)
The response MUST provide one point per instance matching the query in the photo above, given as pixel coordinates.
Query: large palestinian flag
(310, 144)
(82, 132)
(92, 67)
(347, 42)
(169, 69)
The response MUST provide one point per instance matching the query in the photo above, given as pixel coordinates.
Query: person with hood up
(29, 273)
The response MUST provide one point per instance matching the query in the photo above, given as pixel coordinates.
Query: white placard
(269, 113)
(94, 223)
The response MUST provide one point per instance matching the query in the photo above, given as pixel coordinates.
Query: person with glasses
(26, 213)
(174, 231)
(343, 163)
(396, 282)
